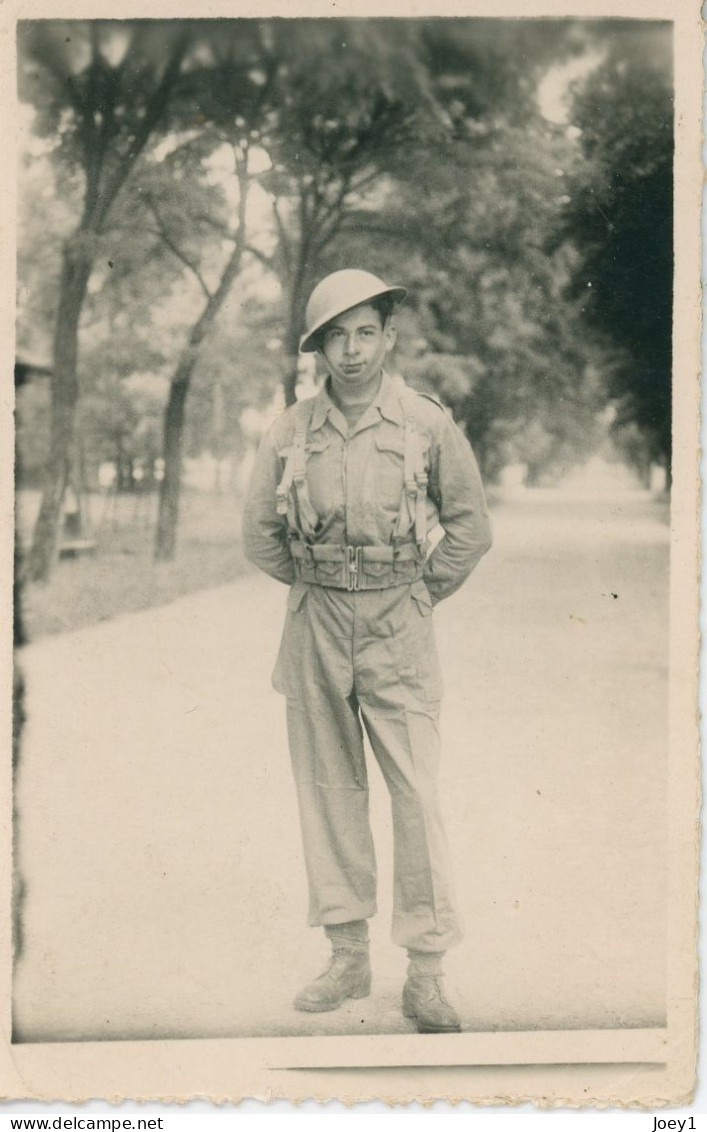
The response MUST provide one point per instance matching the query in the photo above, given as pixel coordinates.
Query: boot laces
(339, 961)
(433, 985)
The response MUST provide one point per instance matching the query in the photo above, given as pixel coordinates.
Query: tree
(469, 222)
(488, 279)
(620, 218)
(165, 539)
(348, 98)
(232, 99)
(100, 90)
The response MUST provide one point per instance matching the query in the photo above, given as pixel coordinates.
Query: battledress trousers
(342, 517)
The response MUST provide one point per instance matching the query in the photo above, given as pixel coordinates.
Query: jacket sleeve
(265, 536)
(456, 490)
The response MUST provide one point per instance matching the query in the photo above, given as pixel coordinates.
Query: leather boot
(424, 1002)
(348, 975)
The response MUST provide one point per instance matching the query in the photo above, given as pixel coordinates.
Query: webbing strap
(408, 496)
(292, 494)
(283, 488)
(309, 520)
(285, 504)
(413, 502)
(421, 502)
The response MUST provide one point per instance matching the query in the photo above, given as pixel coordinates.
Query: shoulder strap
(299, 442)
(413, 505)
(433, 398)
(292, 495)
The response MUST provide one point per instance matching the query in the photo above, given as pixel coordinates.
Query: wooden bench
(74, 548)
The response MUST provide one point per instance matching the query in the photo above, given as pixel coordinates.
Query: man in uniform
(345, 490)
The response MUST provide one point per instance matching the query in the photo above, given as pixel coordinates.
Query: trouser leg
(352, 936)
(398, 685)
(326, 745)
(425, 964)
(406, 748)
(314, 670)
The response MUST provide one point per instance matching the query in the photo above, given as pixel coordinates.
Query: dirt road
(158, 835)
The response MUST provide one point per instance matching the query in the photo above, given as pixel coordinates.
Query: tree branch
(217, 225)
(218, 297)
(367, 179)
(266, 260)
(93, 134)
(413, 237)
(283, 237)
(164, 235)
(154, 110)
(336, 207)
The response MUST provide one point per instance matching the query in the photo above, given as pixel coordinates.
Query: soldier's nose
(351, 346)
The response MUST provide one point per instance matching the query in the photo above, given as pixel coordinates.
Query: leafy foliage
(621, 221)
(413, 148)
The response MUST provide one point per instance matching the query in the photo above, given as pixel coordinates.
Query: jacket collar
(386, 402)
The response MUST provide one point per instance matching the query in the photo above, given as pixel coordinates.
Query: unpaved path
(158, 834)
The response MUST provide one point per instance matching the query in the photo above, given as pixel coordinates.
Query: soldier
(345, 490)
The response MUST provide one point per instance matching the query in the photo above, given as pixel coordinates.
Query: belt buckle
(353, 568)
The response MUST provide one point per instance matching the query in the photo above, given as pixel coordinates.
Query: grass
(121, 576)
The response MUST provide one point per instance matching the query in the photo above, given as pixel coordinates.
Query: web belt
(353, 557)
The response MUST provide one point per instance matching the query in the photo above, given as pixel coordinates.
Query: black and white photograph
(355, 583)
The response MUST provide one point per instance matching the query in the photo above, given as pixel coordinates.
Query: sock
(422, 963)
(352, 936)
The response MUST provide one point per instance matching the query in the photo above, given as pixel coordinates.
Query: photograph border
(619, 1067)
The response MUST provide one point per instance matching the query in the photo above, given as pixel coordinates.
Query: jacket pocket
(387, 474)
(394, 443)
(313, 447)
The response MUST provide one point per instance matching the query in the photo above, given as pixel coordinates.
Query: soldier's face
(355, 344)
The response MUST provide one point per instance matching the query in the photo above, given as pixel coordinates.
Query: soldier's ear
(391, 333)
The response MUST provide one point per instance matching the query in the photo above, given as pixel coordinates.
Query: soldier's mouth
(351, 370)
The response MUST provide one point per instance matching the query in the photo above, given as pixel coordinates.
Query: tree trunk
(289, 381)
(171, 486)
(77, 262)
(295, 325)
(75, 272)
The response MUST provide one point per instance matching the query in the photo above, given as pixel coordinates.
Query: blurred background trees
(620, 219)
(184, 184)
(98, 97)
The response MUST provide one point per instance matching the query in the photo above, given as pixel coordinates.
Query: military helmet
(337, 293)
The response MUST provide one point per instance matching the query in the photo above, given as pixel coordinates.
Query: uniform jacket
(355, 481)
